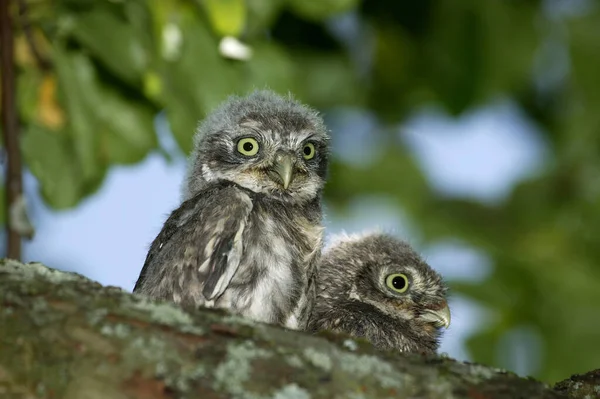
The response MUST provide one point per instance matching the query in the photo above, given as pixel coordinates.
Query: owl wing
(148, 272)
(225, 246)
(203, 234)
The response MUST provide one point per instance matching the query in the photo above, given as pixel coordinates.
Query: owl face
(405, 288)
(267, 144)
(387, 274)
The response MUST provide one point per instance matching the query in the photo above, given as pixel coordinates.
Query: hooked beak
(283, 170)
(439, 316)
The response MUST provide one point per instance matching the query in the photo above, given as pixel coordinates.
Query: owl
(375, 287)
(248, 234)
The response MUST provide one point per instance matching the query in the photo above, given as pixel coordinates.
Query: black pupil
(398, 283)
(307, 150)
(248, 146)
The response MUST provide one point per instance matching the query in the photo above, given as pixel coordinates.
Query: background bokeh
(470, 128)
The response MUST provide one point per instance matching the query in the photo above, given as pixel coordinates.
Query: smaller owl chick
(376, 287)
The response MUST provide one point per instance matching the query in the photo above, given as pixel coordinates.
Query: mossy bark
(581, 386)
(64, 336)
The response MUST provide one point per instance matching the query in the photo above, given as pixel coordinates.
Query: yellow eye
(247, 146)
(397, 282)
(308, 151)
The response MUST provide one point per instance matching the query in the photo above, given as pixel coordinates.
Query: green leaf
(455, 53)
(28, 84)
(379, 178)
(128, 126)
(227, 17)
(261, 15)
(479, 49)
(76, 79)
(103, 126)
(326, 79)
(114, 41)
(49, 156)
(511, 44)
(271, 66)
(321, 9)
(193, 84)
(585, 56)
(396, 74)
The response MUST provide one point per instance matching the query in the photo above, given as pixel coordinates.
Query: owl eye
(247, 146)
(308, 152)
(397, 282)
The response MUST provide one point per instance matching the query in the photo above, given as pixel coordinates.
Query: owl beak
(283, 170)
(439, 316)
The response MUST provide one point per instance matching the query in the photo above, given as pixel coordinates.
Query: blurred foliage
(94, 73)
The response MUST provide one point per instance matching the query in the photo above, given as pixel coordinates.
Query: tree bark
(581, 386)
(13, 183)
(64, 336)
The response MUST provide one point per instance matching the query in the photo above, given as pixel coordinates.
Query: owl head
(388, 283)
(264, 142)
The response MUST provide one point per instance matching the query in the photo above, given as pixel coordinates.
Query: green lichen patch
(232, 374)
(367, 367)
(228, 318)
(292, 391)
(156, 359)
(318, 359)
(350, 344)
(161, 312)
(481, 372)
(116, 330)
(343, 340)
(294, 361)
(19, 271)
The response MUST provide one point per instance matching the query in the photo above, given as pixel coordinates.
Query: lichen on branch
(64, 336)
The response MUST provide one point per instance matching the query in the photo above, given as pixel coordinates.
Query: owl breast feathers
(248, 235)
(377, 288)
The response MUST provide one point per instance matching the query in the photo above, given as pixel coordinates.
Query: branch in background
(10, 128)
(42, 62)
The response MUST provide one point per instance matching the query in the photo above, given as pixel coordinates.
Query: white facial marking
(417, 280)
(207, 173)
(354, 293)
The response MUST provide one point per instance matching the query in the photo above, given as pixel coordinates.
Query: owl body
(377, 288)
(248, 235)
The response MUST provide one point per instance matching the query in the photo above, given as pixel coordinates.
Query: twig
(10, 128)
(42, 62)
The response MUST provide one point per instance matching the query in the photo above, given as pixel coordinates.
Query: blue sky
(480, 155)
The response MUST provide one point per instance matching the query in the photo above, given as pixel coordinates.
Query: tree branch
(64, 336)
(10, 128)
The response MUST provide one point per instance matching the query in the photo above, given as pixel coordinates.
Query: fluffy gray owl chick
(248, 235)
(377, 288)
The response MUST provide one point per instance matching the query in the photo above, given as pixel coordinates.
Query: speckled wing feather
(198, 251)
(225, 249)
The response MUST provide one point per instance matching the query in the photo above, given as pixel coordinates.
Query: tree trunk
(64, 336)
